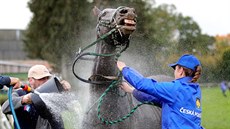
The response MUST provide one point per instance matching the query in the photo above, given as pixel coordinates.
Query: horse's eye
(124, 11)
(134, 11)
(103, 14)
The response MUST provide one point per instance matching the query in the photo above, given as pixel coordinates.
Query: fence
(11, 67)
(12, 45)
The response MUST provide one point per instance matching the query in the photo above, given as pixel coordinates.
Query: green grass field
(21, 76)
(215, 109)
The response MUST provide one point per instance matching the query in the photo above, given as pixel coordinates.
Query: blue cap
(187, 61)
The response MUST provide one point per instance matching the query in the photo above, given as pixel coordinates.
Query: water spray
(93, 105)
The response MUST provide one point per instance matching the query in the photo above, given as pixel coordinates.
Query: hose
(12, 107)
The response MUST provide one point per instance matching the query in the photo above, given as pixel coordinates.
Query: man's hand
(66, 85)
(26, 99)
(15, 82)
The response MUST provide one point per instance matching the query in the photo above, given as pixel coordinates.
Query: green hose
(112, 122)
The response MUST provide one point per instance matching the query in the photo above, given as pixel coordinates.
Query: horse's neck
(105, 65)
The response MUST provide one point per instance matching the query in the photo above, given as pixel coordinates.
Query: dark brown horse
(115, 104)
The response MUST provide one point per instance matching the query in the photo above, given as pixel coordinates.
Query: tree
(56, 27)
(52, 32)
(223, 69)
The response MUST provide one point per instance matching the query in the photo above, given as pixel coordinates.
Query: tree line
(57, 26)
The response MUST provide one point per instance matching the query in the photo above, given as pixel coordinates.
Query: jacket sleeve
(143, 97)
(4, 80)
(16, 99)
(163, 91)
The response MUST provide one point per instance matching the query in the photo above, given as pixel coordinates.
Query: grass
(215, 109)
(21, 76)
(3, 97)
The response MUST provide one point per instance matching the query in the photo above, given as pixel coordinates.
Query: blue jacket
(4, 80)
(180, 99)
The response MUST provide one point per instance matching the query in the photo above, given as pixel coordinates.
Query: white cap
(38, 72)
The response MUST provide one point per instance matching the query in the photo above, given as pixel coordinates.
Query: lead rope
(112, 122)
(80, 54)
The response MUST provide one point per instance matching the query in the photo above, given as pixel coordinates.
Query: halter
(109, 23)
(114, 30)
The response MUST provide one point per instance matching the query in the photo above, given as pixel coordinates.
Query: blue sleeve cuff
(4, 80)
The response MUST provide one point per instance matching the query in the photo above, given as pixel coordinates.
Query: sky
(14, 14)
(212, 16)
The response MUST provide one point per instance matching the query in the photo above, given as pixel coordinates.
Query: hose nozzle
(27, 88)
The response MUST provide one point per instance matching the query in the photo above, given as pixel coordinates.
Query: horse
(120, 23)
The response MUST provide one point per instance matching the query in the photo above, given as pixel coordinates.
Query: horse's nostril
(124, 11)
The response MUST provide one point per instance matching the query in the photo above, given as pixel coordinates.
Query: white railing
(11, 67)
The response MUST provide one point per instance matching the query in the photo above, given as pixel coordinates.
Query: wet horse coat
(115, 105)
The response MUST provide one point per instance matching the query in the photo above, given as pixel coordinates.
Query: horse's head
(122, 18)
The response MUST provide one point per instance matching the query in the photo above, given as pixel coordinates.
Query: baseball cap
(38, 72)
(187, 61)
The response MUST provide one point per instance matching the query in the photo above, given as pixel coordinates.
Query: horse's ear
(96, 11)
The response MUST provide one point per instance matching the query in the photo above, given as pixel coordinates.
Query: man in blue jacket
(180, 99)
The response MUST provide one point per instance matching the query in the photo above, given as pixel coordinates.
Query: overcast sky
(14, 14)
(213, 16)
